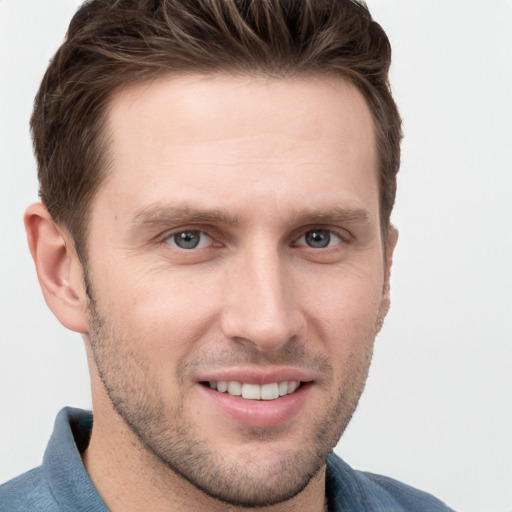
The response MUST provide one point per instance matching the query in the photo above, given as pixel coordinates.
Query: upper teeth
(255, 391)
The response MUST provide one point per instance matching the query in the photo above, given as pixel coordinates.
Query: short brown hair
(112, 43)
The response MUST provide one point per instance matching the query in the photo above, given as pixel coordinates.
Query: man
(217, 180)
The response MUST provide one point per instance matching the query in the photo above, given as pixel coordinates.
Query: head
(112, 44)
(219, 178)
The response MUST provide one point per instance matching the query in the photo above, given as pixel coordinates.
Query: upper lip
(257, 375)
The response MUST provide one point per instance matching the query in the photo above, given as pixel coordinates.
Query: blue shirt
(61, 483)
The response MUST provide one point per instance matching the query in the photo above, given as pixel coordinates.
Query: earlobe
(58, 268)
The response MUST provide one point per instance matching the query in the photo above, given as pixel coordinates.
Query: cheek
(164, 314)
(347, 304)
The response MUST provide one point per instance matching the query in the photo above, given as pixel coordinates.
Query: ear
(392, 239)
(59, 270)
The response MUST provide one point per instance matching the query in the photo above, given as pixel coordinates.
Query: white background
(437, 410)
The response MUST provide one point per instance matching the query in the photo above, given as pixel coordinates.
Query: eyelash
(342, 236)
(171, 236)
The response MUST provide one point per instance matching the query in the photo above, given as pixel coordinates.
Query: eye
(189, 239)
(319, 239)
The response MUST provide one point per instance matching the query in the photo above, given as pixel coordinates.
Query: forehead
(251, 136)
(197, 108)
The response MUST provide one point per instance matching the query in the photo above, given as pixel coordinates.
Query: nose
(261, 306)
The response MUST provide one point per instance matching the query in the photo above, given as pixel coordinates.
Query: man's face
(236, 243)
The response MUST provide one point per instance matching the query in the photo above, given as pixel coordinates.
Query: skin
(251, 166)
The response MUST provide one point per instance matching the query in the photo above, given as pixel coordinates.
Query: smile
(249, 391)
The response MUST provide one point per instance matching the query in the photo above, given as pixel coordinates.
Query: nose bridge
(261, 307)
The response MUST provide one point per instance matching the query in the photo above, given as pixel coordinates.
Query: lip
(254, 376)
(257, 413)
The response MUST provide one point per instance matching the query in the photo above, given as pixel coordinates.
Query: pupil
(318, 239)
(187, 239)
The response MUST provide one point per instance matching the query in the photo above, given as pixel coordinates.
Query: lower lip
(259, 413)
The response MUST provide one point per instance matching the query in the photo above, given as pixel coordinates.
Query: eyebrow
(334, 215)
(158, 214)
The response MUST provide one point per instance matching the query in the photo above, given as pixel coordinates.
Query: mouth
(252, 391)
(257, 397)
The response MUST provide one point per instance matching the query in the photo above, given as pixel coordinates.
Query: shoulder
(61, 483)
(361, 491)
(409, 498)
(27, 492)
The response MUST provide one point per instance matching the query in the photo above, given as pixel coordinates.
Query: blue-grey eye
(319, 239)
(189, 239)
